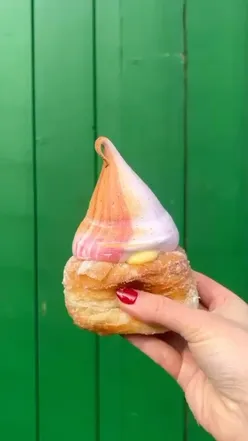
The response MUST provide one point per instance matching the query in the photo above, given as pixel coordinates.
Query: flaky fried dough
(90, 290)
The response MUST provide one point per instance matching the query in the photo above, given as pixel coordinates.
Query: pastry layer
(90, 290)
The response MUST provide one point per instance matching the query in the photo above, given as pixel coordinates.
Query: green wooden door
(166, 81)
(217, 170)
(63, 67)
(18, 378)
(139, 84)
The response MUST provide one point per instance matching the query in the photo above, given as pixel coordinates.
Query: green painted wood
(140, 107)
(65, 179)
(217, 213)
(17, 324)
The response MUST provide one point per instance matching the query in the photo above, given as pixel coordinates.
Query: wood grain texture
(140, 107)
(217, 213)
(17, 322)
(65, 179)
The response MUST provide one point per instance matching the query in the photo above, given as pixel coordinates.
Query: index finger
(212, 293)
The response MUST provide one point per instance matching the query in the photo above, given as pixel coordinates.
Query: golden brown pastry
(126, 239)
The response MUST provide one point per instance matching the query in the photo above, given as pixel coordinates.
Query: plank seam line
(95, 130)
(185, 198)
(35, 230)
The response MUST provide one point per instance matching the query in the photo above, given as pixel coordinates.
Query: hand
(207, 353)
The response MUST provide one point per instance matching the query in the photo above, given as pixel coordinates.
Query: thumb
(160, 310)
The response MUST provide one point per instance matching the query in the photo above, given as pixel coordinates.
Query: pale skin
(207, 354)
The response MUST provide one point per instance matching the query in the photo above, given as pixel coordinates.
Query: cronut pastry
(91, 300)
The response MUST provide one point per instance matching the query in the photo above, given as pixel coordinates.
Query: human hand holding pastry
(207, 353)
(128, 245)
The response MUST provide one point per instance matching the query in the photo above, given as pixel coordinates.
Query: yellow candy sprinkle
(142, 257)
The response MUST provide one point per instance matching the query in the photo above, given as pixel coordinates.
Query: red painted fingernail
(127, 295)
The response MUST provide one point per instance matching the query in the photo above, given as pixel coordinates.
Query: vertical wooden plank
(65, 179)
(217, 213)
(140, 107)
(17, 342)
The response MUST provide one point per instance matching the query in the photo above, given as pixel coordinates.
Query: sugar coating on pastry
(127, 238)
(90, 293)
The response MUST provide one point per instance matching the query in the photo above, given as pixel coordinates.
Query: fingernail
(127, 295)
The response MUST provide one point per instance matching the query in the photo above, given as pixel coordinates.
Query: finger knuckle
(159, 310)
